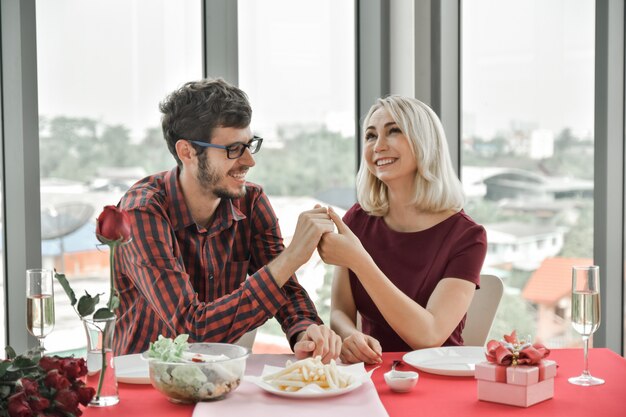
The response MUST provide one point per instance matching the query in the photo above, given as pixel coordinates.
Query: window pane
(100, 81)
(3, 318)
(296, 62)
(528, 94)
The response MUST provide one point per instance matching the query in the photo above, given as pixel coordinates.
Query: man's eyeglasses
(235, 150)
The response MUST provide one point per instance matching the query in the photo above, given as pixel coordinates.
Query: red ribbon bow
(512, 352)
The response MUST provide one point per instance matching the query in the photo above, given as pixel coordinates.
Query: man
(207, 255)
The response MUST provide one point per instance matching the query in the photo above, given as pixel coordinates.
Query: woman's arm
(419, 327)
(342, 307)
(357, 347)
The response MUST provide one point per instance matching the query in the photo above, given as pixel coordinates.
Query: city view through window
(527, 153)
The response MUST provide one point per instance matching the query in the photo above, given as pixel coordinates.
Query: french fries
(309, 371)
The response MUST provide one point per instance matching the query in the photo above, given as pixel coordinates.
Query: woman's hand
(359, 347)
(342, 248)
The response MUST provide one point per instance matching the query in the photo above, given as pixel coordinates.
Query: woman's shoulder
(465, 225)
(355, 213)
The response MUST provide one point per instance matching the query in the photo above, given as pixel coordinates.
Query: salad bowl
(200, 372)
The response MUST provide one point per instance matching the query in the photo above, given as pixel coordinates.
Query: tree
(514, 313)
(73, 148)
(578, 241)
(324, 293)
(156, 156)
(307, 162)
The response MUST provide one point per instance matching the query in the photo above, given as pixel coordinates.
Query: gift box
(519, 385)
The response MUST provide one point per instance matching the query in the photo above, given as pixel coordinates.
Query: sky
(528, 62)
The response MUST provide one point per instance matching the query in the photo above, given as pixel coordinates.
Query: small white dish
(400, 381)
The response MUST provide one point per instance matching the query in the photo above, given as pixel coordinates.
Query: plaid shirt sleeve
(297, 312)
(151, 264)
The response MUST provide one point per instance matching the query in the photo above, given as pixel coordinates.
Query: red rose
(113, 224)
(29, 386)
(18, 407)
(85, 393)
(38, 403)
(66, 400)
(48, 363)
(73, 368)
(55, 380)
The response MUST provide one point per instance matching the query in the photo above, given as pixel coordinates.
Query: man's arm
(149, 261)
(267, 248)
(298, 317)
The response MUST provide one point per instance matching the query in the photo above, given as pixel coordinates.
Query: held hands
(359, 347)
(318, 340)
(312, 224)
(342, 248)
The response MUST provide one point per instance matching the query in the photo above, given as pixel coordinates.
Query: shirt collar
(180, 214)
(177, 209)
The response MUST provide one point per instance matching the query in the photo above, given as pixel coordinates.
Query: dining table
(434, 395)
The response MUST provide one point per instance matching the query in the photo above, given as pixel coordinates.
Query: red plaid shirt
(211, 283)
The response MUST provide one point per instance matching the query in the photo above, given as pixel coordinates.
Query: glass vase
(100, 364)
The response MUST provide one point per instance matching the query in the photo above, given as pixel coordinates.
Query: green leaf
(103, 313)
(115, 302)
(5, 392)
(21, 363)
(3, 367)
(87, 304)
(10, 352)
(66, 287)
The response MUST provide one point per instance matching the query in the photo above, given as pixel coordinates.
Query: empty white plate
(448, 360)
(131, 369)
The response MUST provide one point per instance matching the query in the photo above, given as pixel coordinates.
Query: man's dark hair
(195, 109)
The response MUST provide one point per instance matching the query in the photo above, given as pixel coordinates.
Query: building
(520, 184)
(549, 288)
(521, 245)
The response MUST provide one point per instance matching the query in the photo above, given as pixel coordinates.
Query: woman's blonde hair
(437, 186)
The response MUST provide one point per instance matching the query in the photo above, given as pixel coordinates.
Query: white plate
(448, 360)
(131, 369)
(313, 391)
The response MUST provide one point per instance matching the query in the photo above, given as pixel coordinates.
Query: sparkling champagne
(585, 312)
(40, 315)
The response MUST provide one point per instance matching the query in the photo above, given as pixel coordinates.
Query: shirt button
(210, 276)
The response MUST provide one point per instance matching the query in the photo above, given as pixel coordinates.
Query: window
(100, 81)
(3, 318)
(297, 64)
(528, 123)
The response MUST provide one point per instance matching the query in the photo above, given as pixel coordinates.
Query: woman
(408, 258)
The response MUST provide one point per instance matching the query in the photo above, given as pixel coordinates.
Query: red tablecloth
(437, 395)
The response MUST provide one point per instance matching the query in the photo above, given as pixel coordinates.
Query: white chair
(482, 310)
(247, 340)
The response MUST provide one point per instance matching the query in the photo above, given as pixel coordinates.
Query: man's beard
(209, 178)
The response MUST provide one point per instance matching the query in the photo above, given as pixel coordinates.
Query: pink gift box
(518, 395)
(517, 375)
(522, 385)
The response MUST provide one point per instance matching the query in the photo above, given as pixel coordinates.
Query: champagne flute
(39, 303)
(586, 313)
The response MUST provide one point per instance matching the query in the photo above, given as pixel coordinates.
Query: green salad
(168, 350)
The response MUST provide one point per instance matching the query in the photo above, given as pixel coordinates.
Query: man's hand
(312, 224)
(318, 341)
(359, 347)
